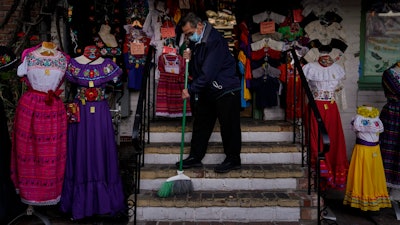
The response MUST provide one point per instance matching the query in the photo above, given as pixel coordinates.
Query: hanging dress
(292, 89)
(390, 137)
(40, 130)
(323, 82)
(92, 184)
(366, 183)
(169, 102)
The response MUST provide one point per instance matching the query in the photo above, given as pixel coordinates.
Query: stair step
(252, 131)
(249, 177)
(155, 171)
(247, 125)
(216, 147)
(238, 206)
(252, 153)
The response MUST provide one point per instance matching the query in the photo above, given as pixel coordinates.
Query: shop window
(379, 42)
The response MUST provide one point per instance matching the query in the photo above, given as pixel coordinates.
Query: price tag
(92, 109)
(168, 50)
(267, 27)
(167, 32)
(91, 84)
(297, 16)
(137, 48)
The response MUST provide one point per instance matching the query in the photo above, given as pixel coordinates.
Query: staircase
(271, 187)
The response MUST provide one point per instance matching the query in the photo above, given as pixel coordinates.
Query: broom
(179, 184)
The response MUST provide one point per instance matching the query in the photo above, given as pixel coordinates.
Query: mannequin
(390, 137)
(40, 128)
(91, 142)
(366, 184)
(105, 35)
(323, 78)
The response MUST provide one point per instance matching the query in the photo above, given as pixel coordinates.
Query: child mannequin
(366, 183)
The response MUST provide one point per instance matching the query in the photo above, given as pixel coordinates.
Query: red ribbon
(51, 95)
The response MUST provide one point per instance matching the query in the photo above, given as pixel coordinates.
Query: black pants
(227, 110)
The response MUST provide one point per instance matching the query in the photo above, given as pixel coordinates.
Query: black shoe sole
(196, 165)
(227, 170)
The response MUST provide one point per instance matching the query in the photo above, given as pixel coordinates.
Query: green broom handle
(184, 117)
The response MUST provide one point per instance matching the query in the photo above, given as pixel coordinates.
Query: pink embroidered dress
(39, 134)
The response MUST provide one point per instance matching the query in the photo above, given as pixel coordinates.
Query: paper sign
(267, 27)
(297, 16)
(168, 50)
(137, 48)
(168, 32)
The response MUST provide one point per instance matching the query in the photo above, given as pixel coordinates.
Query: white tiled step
(216, 158)
(228, 184)
(225, 214)
(175, 137)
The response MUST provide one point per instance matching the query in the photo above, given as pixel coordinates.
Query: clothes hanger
(137, 24)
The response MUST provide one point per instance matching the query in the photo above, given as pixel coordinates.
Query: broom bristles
(176, 185)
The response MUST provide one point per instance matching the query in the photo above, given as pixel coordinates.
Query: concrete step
(249, 177)
(252, 153)
(252, 131)
(227, 206)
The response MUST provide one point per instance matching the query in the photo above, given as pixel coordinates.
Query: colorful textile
(169, 102)
(366, 183)
(292, 88)
(390, 138)
(335, 163)
(40, 131)
(92, 184)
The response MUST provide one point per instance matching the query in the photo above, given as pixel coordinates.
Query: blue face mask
(194, 37)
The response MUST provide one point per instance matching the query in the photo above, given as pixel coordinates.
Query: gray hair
(192, 19)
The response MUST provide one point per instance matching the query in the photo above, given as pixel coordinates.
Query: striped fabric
(169, 102)
(39, 149)
(390, 138)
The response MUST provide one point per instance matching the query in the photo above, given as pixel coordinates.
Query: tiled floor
(346, 215)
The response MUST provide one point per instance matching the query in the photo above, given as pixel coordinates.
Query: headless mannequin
(47, 49)
(108, 38)
(396, 67)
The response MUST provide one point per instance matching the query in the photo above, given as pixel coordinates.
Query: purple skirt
(92, 184)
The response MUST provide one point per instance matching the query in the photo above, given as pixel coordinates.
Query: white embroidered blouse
(367, 129)
(323, 81)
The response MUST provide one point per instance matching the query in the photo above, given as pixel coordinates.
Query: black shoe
(190, 162)
(227, 166)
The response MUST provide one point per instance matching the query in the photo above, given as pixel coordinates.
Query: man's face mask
(194, 37)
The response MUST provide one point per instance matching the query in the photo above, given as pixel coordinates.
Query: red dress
(323, 82)
(169, 102)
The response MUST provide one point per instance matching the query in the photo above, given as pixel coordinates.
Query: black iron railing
(140, 129)
(145, 111)
(314, 173)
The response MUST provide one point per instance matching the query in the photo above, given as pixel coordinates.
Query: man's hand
(185, 94)
(187, 54)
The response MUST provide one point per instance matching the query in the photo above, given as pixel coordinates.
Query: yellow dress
(366, 183)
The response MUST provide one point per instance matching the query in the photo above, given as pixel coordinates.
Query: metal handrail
(141, 121)
(322, 136)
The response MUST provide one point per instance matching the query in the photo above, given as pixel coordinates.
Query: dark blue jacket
(212, 66)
